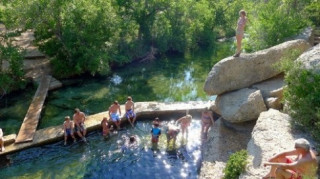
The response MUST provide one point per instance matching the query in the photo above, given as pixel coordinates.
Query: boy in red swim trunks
(304, 166)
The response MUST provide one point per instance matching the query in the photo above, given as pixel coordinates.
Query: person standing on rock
(303, 164)
(79, 127)
(240, 31)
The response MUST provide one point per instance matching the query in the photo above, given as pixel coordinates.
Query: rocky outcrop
(241, 105)
(272, 134)
(311, 59)
(236, 73)
(272, 91)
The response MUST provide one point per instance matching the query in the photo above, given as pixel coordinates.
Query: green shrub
(236, 165)
(302, 95)
(11, 78)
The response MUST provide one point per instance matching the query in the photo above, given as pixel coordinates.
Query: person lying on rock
(294, 164)
(1, 141)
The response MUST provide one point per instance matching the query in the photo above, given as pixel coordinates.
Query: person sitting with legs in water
(1, 141)
(79, 127)
(240, 31)
(129, 106)
(304, 165)
(105, 127)
(114, 115)
(185, 122)
(155, 131)
(68, 129)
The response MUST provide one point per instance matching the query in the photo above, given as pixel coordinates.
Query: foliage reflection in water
(168, 79)
(109, 159)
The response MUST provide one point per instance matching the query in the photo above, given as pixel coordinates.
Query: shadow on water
(111, 158)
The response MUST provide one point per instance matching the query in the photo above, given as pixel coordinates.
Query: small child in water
(155, 131)
(105, 127)
(68, 129)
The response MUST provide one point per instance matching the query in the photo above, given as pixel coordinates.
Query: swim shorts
(130, 114)
(81, 129)
(115, 117)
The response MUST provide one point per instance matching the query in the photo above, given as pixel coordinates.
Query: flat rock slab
(235, 73)
(31, 120)
(93, 122)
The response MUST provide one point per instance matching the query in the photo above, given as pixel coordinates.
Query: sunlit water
(102, 158)
(168, 79)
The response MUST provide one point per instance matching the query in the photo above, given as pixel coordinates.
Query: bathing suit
(68, 131)
(241, 24)
(155, 134)
(293, 172)
(207, 119)
(130, 114)
(81, 128)
(105, 132)
(115, 117)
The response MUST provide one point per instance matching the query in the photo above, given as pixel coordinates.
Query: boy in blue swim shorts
(68, 129)
(130, 114)
(114, 115)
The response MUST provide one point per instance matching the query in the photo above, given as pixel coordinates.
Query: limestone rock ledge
(235, 73)
(272, 134)
(241, 105)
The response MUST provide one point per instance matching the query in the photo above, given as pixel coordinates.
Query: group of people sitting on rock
(78, 126)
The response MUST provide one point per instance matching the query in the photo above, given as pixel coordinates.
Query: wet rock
(235, 73)
(241, 105)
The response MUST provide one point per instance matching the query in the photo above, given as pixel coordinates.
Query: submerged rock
(235, 73)
(241, 105)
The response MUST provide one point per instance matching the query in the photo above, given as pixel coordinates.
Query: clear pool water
(102, 158)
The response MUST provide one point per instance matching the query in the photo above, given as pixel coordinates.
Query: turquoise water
(167, 79)
(111, 158)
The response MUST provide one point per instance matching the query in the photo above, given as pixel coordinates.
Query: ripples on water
(108, 159)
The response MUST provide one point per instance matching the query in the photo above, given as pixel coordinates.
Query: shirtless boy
(68, 129)
(114, 115)
(304, 165)
(129, 106)
(79, 127)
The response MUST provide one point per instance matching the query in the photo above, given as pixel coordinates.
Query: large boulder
(272, 91)
(272, 134)
(235, 73)
(241, 105)
(311, 59)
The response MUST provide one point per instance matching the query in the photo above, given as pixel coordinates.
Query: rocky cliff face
(250, 88)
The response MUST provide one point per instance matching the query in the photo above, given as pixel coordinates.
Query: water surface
(168, 79)
(109, 159)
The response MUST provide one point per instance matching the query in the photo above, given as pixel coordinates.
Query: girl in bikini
(206, 121)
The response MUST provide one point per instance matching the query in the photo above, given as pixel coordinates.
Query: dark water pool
(167, 79)
(109, 159)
